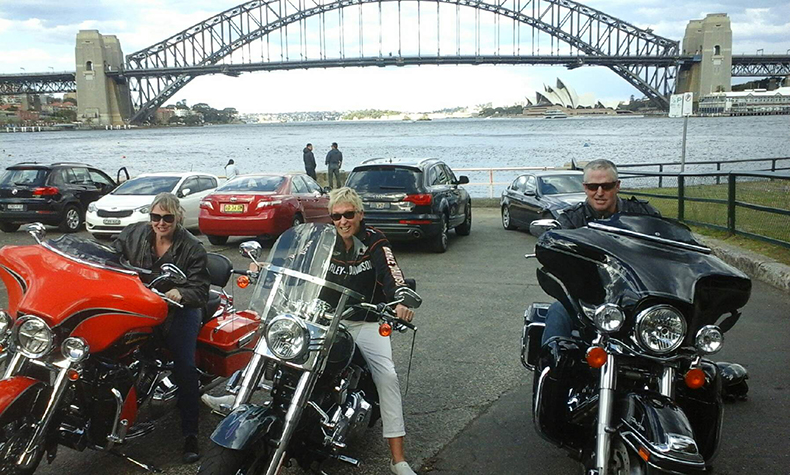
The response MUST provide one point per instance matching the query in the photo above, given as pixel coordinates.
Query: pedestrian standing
(334, 160)
(309, 161)
(231, 171)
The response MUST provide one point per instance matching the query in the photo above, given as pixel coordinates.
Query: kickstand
(146, 467)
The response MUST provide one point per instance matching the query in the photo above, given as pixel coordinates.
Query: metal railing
(752, 204)
(701, 166)
(494, 174)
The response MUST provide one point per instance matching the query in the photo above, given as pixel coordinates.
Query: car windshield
(384, 179)
(559, 184)
(253, 183)
(148, 185)
(23, 177)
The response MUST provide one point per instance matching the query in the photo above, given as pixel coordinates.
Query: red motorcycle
(85, 360)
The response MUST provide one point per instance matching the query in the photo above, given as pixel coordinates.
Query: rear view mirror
(37, 230)
(184, 192)
(172, 272)
(250, 249)
(540, 226)
(408, 297)
(462, 180)
(530, 192)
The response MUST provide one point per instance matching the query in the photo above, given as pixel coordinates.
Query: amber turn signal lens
(695, 378)
(596, 357)
(385, 329)
(644, 454)
(73, 375)
(243, 281)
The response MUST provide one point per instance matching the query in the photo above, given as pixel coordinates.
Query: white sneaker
(401, 468)
(220, 404)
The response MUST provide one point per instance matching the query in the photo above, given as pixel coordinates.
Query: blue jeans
(558, 323)
(182, 343)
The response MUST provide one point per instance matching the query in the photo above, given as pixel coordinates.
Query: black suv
(413, 199)
(56, 194)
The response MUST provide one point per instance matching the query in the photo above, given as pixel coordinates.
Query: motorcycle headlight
(709, 340)
(74, 349)
(287, 337)
(33, 336)
(608, 318)
(660, 329)
(5, 323)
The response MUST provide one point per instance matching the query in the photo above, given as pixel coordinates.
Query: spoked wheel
(72, 220)
(440, 241)
(221, 461)
(14, 437)
(507, 222)
(624, 461)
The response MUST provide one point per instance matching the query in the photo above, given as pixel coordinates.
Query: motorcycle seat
(219, 269)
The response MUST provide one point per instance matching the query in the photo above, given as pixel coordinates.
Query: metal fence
(753, 204)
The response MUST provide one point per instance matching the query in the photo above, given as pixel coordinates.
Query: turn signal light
(73, 375)
(695, 378)
(644, 454)
(596, 357)
(385, 329)
(243, 281)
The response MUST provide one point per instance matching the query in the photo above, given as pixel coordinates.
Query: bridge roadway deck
(467, 410)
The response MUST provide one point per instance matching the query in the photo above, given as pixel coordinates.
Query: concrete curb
(757, 266)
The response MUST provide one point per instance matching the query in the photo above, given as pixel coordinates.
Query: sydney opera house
(561, 97)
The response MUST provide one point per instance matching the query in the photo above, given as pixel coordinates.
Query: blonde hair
(170, 203)
(344, 195)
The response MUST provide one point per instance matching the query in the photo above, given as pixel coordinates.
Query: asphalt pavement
(467, 406)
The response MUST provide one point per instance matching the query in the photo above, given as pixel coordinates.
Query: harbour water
(462, 143)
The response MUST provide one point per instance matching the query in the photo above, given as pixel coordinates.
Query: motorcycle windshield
(293, 280)
(630, 257)
(86, 251)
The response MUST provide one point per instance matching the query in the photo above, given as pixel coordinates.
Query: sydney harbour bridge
(270, 35)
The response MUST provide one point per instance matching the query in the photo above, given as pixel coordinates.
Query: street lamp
(760, 51)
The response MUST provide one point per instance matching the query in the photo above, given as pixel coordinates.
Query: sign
(681, 105)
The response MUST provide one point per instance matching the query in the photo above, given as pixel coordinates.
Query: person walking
(334, 160)
(231, 171)
(309, 161)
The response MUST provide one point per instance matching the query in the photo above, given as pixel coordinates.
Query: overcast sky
(39, 35)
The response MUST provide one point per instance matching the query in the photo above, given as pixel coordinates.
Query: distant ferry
(555, 114)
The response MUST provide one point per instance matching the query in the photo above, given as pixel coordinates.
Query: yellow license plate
(233, 209)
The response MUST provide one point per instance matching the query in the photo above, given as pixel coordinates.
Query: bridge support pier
(100, 100)
(710, 42)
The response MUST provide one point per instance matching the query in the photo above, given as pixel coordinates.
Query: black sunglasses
(347, 215)
(606, 186)
(169, 218)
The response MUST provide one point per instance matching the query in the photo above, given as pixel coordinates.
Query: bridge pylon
(101, 99)
(709, 41)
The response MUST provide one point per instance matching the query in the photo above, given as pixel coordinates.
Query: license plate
(233, 208)
(111, 221)
(379, 205)
(16, 207)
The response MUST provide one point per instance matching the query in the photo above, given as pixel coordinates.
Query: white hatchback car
(131, 201)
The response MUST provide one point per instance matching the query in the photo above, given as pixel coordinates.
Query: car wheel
(507, 222)
(439, 243)
(298, 219)
(217, 240)
(466, 227)
(9, 227)
(72, 219)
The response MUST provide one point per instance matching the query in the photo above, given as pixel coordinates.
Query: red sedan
(261, 205)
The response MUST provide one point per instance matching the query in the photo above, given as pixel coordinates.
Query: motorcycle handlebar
(386, 312)
(167, 299)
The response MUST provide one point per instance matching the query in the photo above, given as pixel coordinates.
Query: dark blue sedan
(539, 195)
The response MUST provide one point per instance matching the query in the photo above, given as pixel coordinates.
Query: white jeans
(377, 351)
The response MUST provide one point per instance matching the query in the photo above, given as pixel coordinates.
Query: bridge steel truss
(761, 65)
(156, 73)
(37, 83)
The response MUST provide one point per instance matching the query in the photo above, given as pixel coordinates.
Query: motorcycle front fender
(654, 425)
(243, 427)
(17, 396)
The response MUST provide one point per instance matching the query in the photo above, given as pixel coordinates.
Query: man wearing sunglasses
(601, 184)
(148, 246)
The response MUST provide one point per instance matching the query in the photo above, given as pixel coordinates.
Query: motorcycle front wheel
(624, 461)
(14, 437)
(222, 461)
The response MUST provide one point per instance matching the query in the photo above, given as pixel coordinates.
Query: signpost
(682, 105)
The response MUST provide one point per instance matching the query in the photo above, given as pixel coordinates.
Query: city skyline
(39, 36)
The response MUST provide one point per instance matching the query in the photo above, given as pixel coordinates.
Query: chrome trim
(246, 339)
(667, 386)
(638, 322)
(16, 341)
(605, 406)
(537, 402)
(114, 437)
(14, 365)
(669, 242)
(525, 344)
(301, 393)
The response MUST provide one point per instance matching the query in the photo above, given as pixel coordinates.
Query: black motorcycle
(313, 390)
(631, 392)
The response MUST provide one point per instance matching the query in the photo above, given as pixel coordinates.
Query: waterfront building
(748, 102)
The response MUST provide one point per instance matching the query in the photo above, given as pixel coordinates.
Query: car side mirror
(540, 226)
(530, 192)
(462, 180)
(184, 192)
(408, 297)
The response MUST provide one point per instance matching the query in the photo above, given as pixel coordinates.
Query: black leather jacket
(136, 243)
(579, 215)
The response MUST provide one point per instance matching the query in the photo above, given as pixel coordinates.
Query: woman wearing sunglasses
(149, 245)
(363, 261)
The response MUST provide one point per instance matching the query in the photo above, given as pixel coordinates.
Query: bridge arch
(157, 72)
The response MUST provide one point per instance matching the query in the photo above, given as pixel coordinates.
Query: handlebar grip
(405, 324)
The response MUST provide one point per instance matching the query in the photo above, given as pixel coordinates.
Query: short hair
(309, 145)
(345, 195)
(169, 202)
(334, 144)
(601, 164)
(230, 162)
